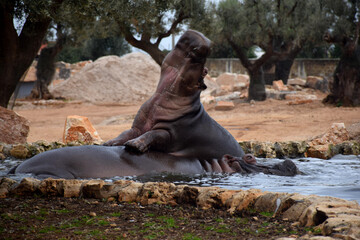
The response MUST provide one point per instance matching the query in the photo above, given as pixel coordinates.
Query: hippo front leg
(123, 137)
(154, 139)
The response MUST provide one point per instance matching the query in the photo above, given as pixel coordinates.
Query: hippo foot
(136, 145)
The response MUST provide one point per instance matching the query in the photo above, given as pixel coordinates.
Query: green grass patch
(190, 236)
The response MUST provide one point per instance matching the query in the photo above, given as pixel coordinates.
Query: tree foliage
(145, 23)
(279, 27)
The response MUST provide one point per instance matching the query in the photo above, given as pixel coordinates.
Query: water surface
(337, 177)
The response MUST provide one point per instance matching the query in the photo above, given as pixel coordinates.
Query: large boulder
(319, 147)
(13, 127)
(80, 129)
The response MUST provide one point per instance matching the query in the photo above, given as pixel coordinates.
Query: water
(337, 177)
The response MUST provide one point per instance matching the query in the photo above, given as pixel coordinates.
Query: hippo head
(183, 68)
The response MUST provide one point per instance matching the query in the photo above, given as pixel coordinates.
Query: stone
(19, 151)
(319, 147)
(242, 200)
(354, 131)
(26, 186)
(279, 86)
(224, 106)
(5, 186)
(52, 187)
(317, 83)
(13, 127)
(157, 192)
(72, 188)
(296, 81)
(130, 192)
(80, 129)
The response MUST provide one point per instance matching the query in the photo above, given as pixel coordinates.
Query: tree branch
(174, 25)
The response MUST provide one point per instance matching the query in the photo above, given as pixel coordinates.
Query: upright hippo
(173, 120)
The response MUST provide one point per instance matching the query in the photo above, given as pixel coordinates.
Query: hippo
(173, 120)
(92, 161)
(171, 132)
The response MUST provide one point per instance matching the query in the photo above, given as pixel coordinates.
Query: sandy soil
(271, 120)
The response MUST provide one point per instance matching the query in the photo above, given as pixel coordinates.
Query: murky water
(337, 177)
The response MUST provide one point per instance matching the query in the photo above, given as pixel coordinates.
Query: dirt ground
(59, 218)
(271, 120)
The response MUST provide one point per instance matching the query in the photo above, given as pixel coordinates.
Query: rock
(228, 97)
(354, 131)
(19, 151)
(26, 186)
(317, 83)
(242, 200)
(319, 147)
(224, 106)
(279, 86)
(78, 128)
(13, 127)
(5, 186)
(296, 81)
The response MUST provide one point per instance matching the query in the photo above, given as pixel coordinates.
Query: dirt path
(271, 120)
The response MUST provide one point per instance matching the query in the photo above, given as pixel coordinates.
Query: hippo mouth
(201, 83)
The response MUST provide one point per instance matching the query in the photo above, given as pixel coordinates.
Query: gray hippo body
(105, 162)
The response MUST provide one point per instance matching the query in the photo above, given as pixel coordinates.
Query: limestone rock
(319, 147)
(13, 127)
(5, 186)
(80, 129)
(296, 81)
(224, 106)
(19, 151)
(317, 83)
(354, 131)
(279, 86)
(26, 186)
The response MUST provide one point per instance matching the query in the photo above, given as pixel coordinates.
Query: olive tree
(279, 27)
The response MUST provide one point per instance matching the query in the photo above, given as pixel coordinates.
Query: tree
(345, 30)
(18, 51)
(19, 43)
(278, 27)
(145, 23)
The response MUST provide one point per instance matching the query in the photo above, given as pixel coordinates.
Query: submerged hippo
(171, 131)
(104, 162)
(173, 120)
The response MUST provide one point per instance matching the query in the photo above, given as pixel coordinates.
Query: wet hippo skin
(173, 120)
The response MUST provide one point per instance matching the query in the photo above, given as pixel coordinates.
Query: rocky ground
(59, 218)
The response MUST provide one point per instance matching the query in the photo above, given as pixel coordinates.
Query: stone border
(289, 149)
(335, 217)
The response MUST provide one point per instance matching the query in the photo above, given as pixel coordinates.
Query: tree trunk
(45, 70)
(282, 69)
(345, 89)
(257, 85)
(17, 52)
